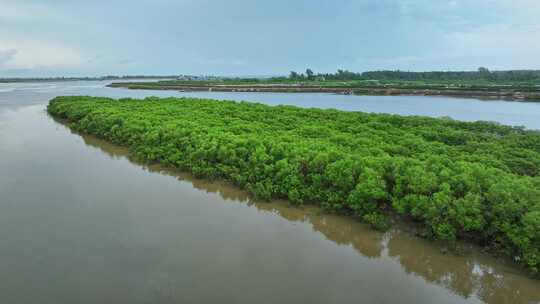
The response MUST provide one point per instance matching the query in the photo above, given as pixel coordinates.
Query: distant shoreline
(66, 79)
(482, 93)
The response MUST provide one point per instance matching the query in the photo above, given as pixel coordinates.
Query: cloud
(28, 12)
(126, 61)
(30, 40)
(29, 54)
(6, 56)
(94, 59)
(499, 47)
(259, 37)
(13, 12)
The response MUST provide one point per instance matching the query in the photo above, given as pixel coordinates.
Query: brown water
(81, 223)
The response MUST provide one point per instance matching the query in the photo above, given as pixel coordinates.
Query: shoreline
(509, 95)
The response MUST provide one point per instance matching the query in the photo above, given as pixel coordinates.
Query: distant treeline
(480, 74)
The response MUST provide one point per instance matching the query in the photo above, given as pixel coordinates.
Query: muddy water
(82, 223)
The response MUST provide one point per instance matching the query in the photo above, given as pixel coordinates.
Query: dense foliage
(459, 180)
(482, 74)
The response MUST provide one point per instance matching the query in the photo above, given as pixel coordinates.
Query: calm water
(81, 223)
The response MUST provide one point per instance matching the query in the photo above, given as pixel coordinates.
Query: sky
(40, 38)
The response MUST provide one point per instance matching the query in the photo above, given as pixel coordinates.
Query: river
(82, 223)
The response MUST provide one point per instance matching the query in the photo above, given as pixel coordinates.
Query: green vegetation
(458, 180)
(520, 85)
(482, 75)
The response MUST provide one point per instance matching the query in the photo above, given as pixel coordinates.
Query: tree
(294, 75)
(484, 73)
(310, 74)
(483, 70)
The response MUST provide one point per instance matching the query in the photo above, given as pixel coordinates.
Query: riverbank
(486, 92)
(457, 180)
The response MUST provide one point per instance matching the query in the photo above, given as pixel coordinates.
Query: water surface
(81, 223)
(515, 113)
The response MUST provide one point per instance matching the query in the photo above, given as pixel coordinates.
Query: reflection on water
(471, 275)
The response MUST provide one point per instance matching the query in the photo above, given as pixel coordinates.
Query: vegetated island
(510, 85)
(474, 181)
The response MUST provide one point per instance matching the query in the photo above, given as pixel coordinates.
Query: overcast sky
(264, 37)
